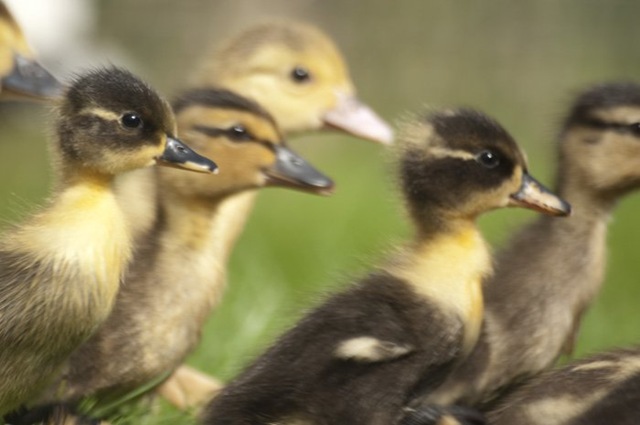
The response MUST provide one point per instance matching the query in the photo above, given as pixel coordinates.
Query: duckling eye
(239, 132)
(635, 128)
(488, 159)
(300, 74)
(131, 120)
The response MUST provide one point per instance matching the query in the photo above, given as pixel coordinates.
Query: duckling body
(360, 356)
(551, 271)
(21, 76)
(602, 389)
(61, 269)
(127, 353)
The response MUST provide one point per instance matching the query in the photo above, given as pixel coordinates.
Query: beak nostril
(297, 162)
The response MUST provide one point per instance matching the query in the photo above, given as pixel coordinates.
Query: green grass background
(519, 61)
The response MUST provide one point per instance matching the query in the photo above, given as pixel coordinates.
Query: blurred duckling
(296, 73)
(21, 76)
(60, 270)
(359, 356)
(173, 282)
(550, 272)
(600, 390)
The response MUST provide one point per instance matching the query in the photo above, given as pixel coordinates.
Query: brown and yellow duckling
(360, 356)
(172, 285)
(296, 73)
(21, 76)
(60, 269)
(550, 272)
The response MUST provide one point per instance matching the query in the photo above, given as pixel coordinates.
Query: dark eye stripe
(633, 128)
(230, 133)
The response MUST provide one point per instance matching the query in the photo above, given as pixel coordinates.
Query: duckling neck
(192, 232)
(447, 265)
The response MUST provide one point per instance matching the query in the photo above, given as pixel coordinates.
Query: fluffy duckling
(551, 271)
(127, 353)
(360, 356)
(21, 76)
(60, 270)
(602, 389)
(298, 74)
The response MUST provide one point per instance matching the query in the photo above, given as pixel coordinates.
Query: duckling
(21, 76)
(550, 272)
(360, 355)
(602, 389)
(127, 353)
(60, 270)
(298, 75)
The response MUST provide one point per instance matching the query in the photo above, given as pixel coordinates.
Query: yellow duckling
(298, 74)
(21, 76)
(360, 355)
(60, 270)
(172, 284)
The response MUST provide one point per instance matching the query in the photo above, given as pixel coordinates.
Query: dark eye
(635, 128)
(488, 159)
(131, 120)
(239, 132)
(300, 74)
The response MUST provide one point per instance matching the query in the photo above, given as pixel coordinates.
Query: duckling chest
(83, 242)
(450, 272)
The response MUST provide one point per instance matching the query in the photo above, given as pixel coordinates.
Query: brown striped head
(246, 143)
(110, 122)
(461, 163)
(600, 141)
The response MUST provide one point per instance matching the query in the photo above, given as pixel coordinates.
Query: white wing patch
(368, 349)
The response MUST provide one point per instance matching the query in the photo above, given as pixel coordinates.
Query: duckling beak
(178, 155)
(291, 170)
(28, 78)
(534, 195)
(356, 118)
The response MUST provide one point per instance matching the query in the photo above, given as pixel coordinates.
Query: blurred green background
(519, 61)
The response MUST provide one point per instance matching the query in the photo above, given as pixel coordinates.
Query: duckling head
(245, 141)
(21, 75)
(600, 141)
(110, 122)
(298, 74)
(461, 163)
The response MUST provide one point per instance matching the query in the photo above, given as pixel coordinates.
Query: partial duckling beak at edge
(178, 155)
(30, 79)
(354, 117)
(534, 195)
(291, 170)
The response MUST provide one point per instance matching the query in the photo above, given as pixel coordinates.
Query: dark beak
(354, 117)
(535, 196)
(29, 79)
(291, 170)
(178, 155)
